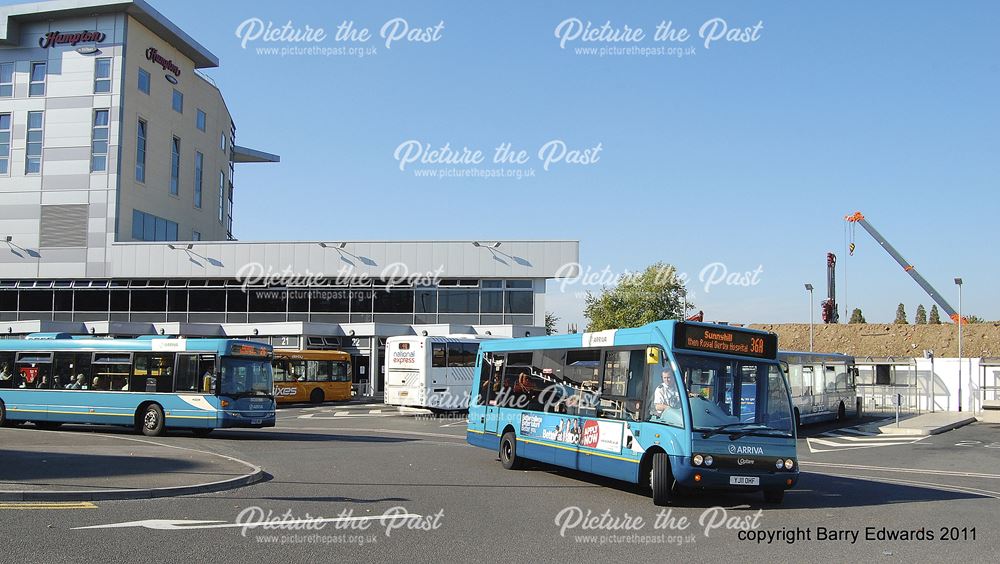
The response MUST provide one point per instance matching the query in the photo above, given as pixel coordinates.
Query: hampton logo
(54, 38)
(168, 65)
(746, 449)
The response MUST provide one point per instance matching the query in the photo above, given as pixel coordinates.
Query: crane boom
(923, 283)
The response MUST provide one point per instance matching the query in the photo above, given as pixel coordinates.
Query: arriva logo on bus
(746, 449)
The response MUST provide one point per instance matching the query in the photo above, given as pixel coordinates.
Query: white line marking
(904, 470)
(960, 489)
(184, 524)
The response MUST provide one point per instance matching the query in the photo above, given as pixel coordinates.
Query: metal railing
(882, 399)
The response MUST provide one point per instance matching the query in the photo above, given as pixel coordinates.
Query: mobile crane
(859, 218)
(829, 305)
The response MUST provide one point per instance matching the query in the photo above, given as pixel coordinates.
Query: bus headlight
(697, 460)
(709, 460)
(779, 464)
(789, 464)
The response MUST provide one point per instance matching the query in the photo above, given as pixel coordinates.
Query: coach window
(622, 388)
(152, 372)
(186, 373)
(114, 368)
(71, 371)
(319, 371)
(439, 357)
(33, 370)
(462, 355)
(6, 370)
(296, 371)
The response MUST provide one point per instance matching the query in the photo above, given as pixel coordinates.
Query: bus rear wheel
(317, 396)
(508, 451)
(661, 479)
(151, 421)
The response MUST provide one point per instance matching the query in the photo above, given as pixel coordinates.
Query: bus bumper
(253, 420)
(707, 478)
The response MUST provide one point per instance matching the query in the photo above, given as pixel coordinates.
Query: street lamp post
(810, 288)
(961, 321)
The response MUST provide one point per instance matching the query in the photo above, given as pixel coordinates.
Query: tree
(639, 298)
(974, 319)
(900, 315)
(857, 317)
(921, 315)
(935, 318)
(550, 323)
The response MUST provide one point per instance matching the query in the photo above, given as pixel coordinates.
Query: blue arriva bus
(150, 383)
(666, 405)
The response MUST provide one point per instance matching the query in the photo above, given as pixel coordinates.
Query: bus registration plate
(744, 481)
(255, 421)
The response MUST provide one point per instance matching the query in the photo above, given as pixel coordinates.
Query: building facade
(116, 207)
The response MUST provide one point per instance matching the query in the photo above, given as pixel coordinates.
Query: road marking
(50, 505)
(185, 524)
(378, 431)
(852, 443)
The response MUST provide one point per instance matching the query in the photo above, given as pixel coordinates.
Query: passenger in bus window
(6, 376)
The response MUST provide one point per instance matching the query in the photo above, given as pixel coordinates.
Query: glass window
(492, 302)
(458, 301)
(296, 371)
(462, 355)
(520, 284)
(361, 301)
(199, 161)
(152, 372)
(91, 300)
(195, 236)
(6, 80)
(665, 399)
(222, 195)
(99, 142)
(143, 81)
(341, 371)
(137, 230)
(171, 231)
(149, 300)
(229, 221)
(186, 379)
(520, 302)
(200, 119)
(37, 85)
(34, 371)
(279, 368)
(33, 146)
(439, 355)
(175, 165)
(140, 151)
(6, 370)
(177, 102)
(102, 75)
(5, 143)
(111, 373)
(222, 141)
(319, 371)
(394, 301)
(270, 300)
(425, 301)
(207, 300)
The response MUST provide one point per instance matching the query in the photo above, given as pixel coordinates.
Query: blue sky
(746, 154)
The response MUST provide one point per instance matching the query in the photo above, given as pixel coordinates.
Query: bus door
(490, 390)
(808, 390)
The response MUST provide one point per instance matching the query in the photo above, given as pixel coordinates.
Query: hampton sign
(54, 38)
(168, 64)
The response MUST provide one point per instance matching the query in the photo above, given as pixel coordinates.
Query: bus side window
(6, 370)
(439, 357)
(278, 369)
(186, 375)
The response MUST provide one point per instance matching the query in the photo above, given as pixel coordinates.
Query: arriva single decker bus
(823, 386)
(313, 376)
(151, 383)
(695, 405)
(434, 373)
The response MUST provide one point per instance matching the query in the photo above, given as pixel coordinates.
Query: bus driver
(666, 405)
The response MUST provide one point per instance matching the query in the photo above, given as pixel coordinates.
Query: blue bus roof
(621, 337)
(67, 342)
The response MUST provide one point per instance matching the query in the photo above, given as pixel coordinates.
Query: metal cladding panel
(459, 259)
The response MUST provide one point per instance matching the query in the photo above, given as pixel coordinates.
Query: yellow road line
(49, 505)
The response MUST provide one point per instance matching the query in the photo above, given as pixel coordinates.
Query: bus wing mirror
(653, 355)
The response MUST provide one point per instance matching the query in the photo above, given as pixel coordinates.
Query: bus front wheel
(316, 396)
(508, 451)
(661, 479)
(151, 422)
